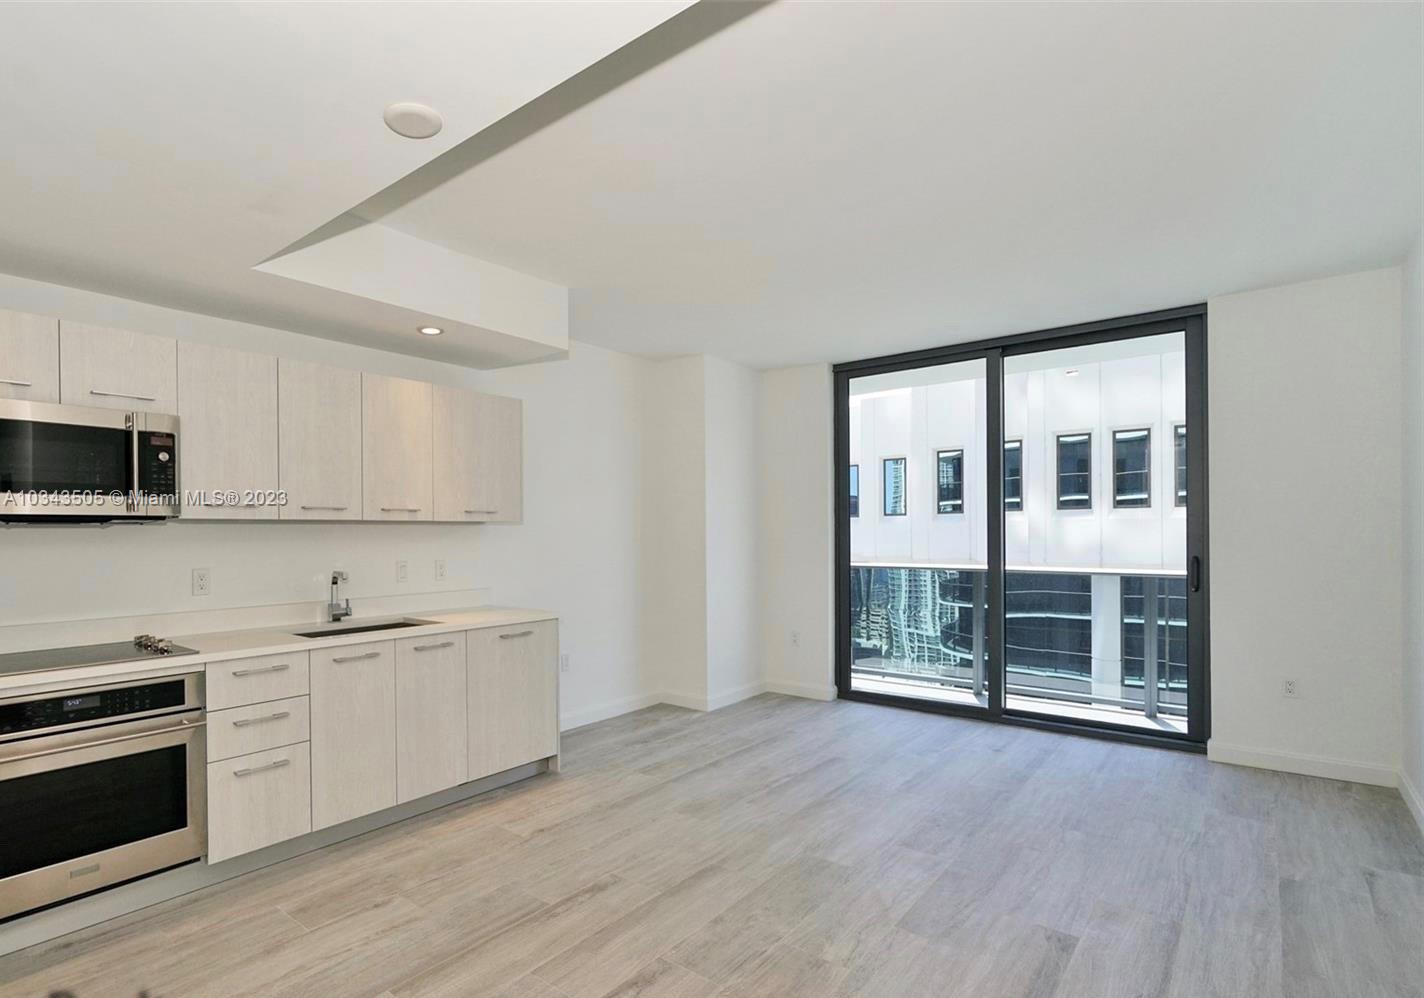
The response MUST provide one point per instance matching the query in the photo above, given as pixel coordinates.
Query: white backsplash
(78, 585)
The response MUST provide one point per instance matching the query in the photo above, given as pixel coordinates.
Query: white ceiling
(814, 181)
(160, 151)
(826, 181)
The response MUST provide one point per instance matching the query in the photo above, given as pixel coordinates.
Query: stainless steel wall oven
(99, 785)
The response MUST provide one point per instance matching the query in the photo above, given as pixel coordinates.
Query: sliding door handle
(1195, 581)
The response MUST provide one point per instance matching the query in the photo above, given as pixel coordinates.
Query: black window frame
(885, 463)
(1058, 472)
(1017, 445)
(853, 496)
(940, 454)
(1117, 500)
(1179, 465)
(1191, 320)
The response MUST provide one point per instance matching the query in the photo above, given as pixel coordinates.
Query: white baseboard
(736, 695)
(604, 711)
(1413, 798)
(1305, 765)
(809, 691)
(691, 701)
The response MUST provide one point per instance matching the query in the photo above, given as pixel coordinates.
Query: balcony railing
(924, 626)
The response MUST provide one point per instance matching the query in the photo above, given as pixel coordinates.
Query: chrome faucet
(335, 609)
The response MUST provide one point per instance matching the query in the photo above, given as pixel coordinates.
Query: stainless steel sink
(339, 629)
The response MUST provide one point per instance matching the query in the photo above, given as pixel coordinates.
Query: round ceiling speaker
(414, 121)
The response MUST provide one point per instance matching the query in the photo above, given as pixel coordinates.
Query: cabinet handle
(516, 634)
(400, 509)
(334, 509)
(283, 667)
(443, 644)
(244, 722)
(17, 384)
(482, 511)
(122, 395)
(262, 769)
(357, 658)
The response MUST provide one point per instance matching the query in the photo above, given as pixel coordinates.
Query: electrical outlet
(202, 582)
(795, 639)
(402, 571)
(439, 569)
(564, 663)
(1289, 689)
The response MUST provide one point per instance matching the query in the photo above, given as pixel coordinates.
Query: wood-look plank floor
(783, 847)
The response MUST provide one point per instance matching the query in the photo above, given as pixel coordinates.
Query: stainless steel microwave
(68, 463)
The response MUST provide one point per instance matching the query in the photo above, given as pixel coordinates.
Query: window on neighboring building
(1013, 475)
(893, 493)
(1075, 471)
(949, 481)
(1180, 445)
(1132, 469)
(855, 490)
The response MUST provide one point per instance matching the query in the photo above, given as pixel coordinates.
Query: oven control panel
(62, 710)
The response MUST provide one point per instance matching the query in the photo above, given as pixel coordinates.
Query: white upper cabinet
(29, 357)
(117, 369)
(397, 453)
(479, 456)
(227, 411)
(319, 435)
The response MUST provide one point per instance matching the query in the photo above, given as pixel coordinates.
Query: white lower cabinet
(256, 680)
(300, 742)
(258, 800)
(513, 695)
(353, 731)
(256, 727)
(431, 722)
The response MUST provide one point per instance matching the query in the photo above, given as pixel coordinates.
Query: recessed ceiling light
(431, 330)
(414, 121)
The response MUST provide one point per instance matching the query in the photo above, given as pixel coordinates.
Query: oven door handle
(59, 750)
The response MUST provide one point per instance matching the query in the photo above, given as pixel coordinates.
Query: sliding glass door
(918, 531)
(1021, 532)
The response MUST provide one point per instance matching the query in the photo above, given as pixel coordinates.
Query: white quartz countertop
(221, 646)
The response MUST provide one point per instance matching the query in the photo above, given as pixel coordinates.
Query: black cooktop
(46, 659)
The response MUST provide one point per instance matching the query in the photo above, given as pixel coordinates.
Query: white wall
(701, 609)
(1412, 774)
(577, 551)
(674, 531)
(796, 562)
(1305, 408)
(734, 667)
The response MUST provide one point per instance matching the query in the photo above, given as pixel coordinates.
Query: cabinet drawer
(258, 800)
(255, 680)
(259, 726)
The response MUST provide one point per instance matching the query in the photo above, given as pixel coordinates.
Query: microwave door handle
(132, 499)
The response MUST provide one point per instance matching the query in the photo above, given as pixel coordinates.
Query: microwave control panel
(157, 463)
